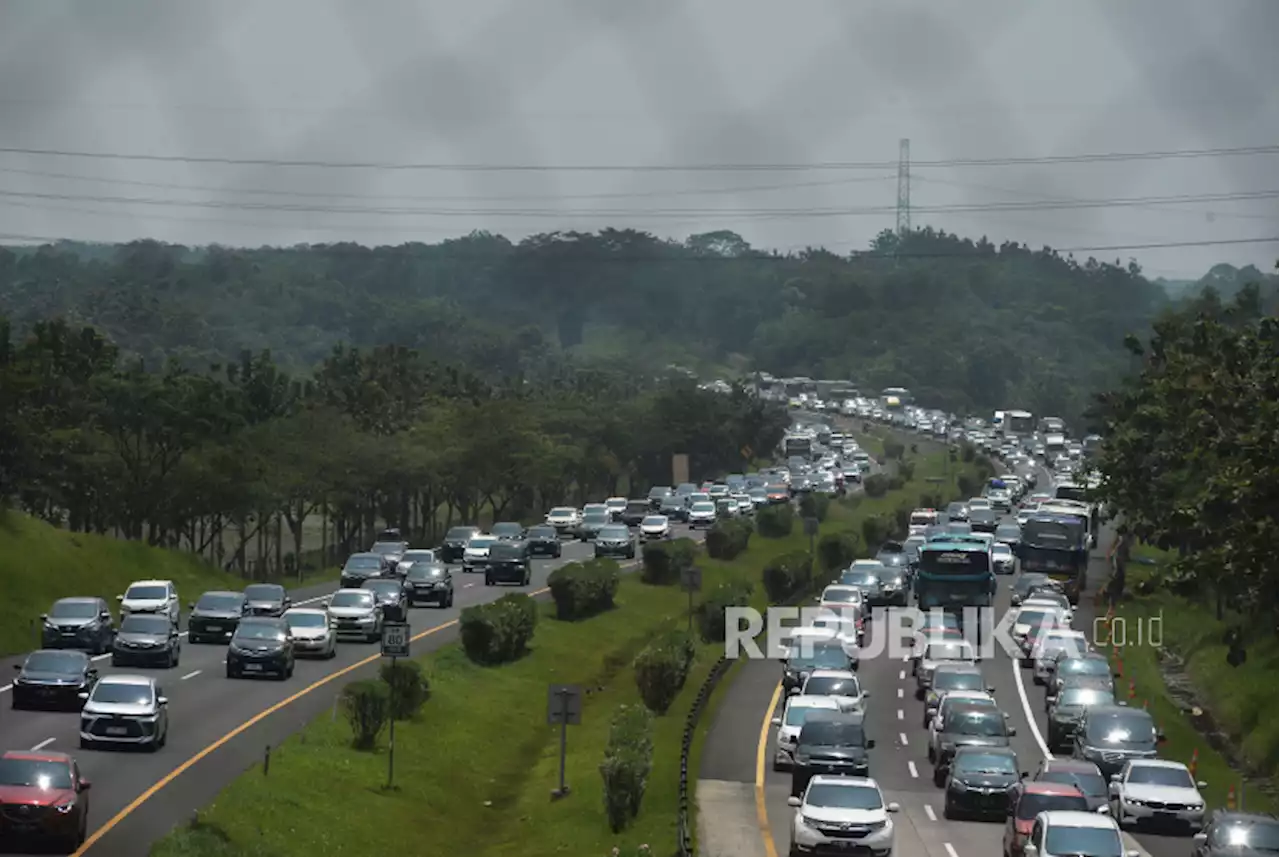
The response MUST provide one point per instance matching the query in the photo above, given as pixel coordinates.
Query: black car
(51, 678)
(78, 623)
(261, 646)
(1067, 709)
(984, 520)
(1232, 833)
(615, 540)
(591, 525)
(455, 543)
(390, 552)
(214, 617)
(509, 562)
(657, 494)
(969, 726)
(543, 541)
(507, 531)
(360, 567)
(266, 599)
(980, 782)
(431, 582)
(146, 640)
(635, 512)
(674, 508)
(804, 659)
(391, 596)
(957, 512)
(1110, 735)
(830, 742)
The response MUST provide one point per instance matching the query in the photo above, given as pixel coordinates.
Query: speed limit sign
(395, 640)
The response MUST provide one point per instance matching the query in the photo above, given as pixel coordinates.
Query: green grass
(40, 563)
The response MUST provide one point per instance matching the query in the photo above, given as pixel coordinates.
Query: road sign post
(691, 582)
(395, 645)
(811, 530)
(564, 707)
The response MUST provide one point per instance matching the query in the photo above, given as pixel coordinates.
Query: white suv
(156, 597)
(1156, 790)
(1063, 832)
(837, 811)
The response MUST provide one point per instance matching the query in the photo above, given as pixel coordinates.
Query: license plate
(957, 596)
(22, 826)
(213, 627)
(253, 667)
(1165, 816)
(117, 730)
(846, 845)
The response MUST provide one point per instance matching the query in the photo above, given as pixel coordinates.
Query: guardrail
(684, 834)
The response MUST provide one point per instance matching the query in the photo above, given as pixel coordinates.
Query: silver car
(124, 709)
(312, 630)
(355, 613)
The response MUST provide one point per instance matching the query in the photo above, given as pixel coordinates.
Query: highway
(221, 726)
(738, 753)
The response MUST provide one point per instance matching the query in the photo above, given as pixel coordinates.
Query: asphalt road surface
(221, 726)
(740, 747)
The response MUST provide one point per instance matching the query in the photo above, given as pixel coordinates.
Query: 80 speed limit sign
(395, 640)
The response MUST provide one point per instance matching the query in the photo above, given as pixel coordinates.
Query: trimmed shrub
(901, 521)
(709, 614)
(815, 506)
(787, 575)
(583, 589)
(875, 530)
(406, 685)
(894, 449)
(931, 501)
(367, 706)
(967, 452)
(876, 485)
(500, 631)
(775, 522)
(837, 550)
(628, 760)
(906, 470)
(665, 561)
(969, 487)
(661, 669)
(728, 537)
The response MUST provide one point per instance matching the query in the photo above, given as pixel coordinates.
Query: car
(390, 551)
(1002, 558)
(615, 505)
(45, 797)
(833, 743)
(866, 581)
(430, 582)
(52, 678)
(475, 556)
(565, 519)
(214, 617)
(1067, 709)
(124, 710)
(1052, 599)
(1157, 791)
(635, 512)
(312, 632)
(415, 556)
(1071, 833)
(509, 531)
(509, 562)
(614, 540)
(1009, 534)
(841, 685)
(957, 512)
(266, 599)
(146, 640)
(151, 596)
(544, 541)
(261, 646)
(759, 497)
(591, 523)
(1026, 582)
(832, 808)
(968, 725)
(392, 598)
(360, 567)
(837, 628)
(983, 520)
(840, 597)
(946, 702)
(674, 509)
(746, 506)
(1052, 646)
(726, 508)
(702, 514)
(455, 542)
(937, 652)
(655, 527)
(795, 711)
(355, 613)
(1030, 798)
(804, 657)
(948, 677)
(1110, 735)
(1232, 833)
(1030, 622)
(1090, 665)
(1084, 776)
(979, 781)
(657, 494)
(78, 623)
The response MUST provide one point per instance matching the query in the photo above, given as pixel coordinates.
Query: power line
(1101, 157)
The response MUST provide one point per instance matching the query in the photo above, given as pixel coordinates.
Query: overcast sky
(629, 83)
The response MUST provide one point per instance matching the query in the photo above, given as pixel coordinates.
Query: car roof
(841, 780)
(150, 583)
(812, 700)
(299, 610)
(833, 674)
(1041, 787)
(1077, 818)
(967, 697)
(1070, 765)
(222, 592)
(840, 587)
(350, 589)
(36, 755)
(126, 678)
(972, 750)
(79, 599)
(1157, 763)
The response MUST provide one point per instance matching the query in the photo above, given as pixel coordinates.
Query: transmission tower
(904, 186)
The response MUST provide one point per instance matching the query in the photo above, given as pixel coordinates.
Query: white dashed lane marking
(928, 810)
(45, 743)
(191, 674)
(911, 768)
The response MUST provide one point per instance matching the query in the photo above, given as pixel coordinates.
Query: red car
(43, 796)
(1029, 799)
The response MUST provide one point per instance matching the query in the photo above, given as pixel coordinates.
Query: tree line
(236, 461)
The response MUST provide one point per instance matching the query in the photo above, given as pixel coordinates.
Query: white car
(1052, 645)
(1002, 559)
(844, 627)
(1033, 619)
(702, 514)
(616, 505)
(124, 709)
(355, 613)
(312, 632)
(945, 703)
(564, 518)
(1156, 790)
(937, 652)
(475, 556)
(1072, 832)
(1055, 601)
(841, 685)
(745, 504)
(833, 807)
(151, 596)
(842, 599)
(794, 712)
(1024, 514)
(976, 503)
(655, 527)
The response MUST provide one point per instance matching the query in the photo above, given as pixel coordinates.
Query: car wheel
(288, 673)
(230, 672)
(939, 778)
(85, 743)
(948, 812)
(115, 662)
(174, 658)
(932, 754)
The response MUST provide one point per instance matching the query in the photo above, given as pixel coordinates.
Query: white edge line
(191, 674)
(6, 687)
(45, 743)
(1026, 710)
(951, 852)
(911, 768)
(928, 810)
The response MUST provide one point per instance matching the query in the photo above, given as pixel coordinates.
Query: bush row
(815, 506)
(664, 562)
(787, 575)
(894, 449)
(837, 551)
(710, 612)
(628, 760)
(583, 589)
(500, 631)
(661, 669)
(370, 704)
(728, 537)
(775, 522)
(879, 484)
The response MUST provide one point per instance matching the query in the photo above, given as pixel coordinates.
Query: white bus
(1020, 423)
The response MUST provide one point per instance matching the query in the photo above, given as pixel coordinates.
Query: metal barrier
(684, 835)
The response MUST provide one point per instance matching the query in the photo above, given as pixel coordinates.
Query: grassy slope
(40, 563)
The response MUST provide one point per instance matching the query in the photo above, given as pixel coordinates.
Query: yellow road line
(252, 721)
(762, 754)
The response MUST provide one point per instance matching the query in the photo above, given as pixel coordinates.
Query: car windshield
(387, 548)
(1030, 805)
(843, 796)
(424, 571)
(935, 619)
(985, 763)
(457, 534)
(841, 596)
(35, 774)
(956, 651)
(145, 625)
(1089, 841)
(614, 531)
(984, 723)
(542, 533)
(1121, 727)
(65, 663)
(264, 592)
(1085, 666)
(562, 512)
(306, 620)
(950, 680)
(357, 562)
(74, 610)
(418, 556)
(1002, 551)
(122, 693)
(831, 686)
(505, 552)
(1256, 836)
(829, 733)
(889, 574)
(383, 587)
(821, 657)
(858, 578)
(1089, 783)
(260, 631)
(352, 599)
(703, 506)
(147, 592)
(220, 603)
(796, 714)
(481, 542)
(597, 518)
(1034, 618)
(654, 521)
(1085, 696)
(1160, 775)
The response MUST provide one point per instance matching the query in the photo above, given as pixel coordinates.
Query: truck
(1056, 543)
(1018, 424)
(800, 446)
(1054, 444)
(954, 574)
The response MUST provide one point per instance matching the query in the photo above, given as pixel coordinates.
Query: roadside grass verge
(40, 563)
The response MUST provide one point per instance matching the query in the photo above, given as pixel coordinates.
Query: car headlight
(958, 785)
(64, 808)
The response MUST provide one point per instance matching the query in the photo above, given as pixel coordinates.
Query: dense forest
(966, 324)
